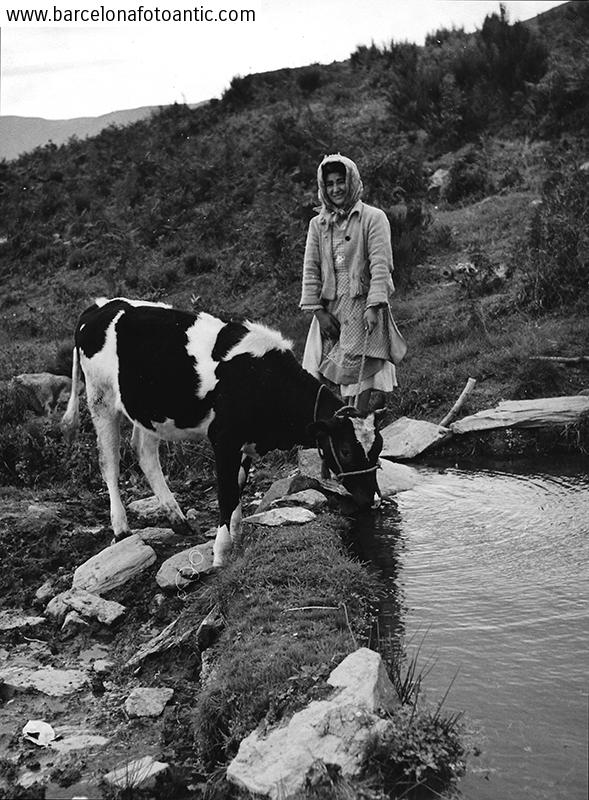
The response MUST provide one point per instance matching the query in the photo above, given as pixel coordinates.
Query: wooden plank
(539, 413)
(407, 438)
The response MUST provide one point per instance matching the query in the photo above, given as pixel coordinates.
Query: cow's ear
(379, 417)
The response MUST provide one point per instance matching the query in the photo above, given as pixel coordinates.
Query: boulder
(337, 731)
(114, 566)
(147, 702)
(183, 568)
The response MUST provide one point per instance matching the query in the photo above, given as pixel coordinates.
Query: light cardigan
(368, 254)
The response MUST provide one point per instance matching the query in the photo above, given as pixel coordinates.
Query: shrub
(468, 180)
(309, 80)
(552, 259)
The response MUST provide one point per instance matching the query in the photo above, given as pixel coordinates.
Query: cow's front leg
(228, 462)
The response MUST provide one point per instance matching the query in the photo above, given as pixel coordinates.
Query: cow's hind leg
(146, 445)
(108, 437)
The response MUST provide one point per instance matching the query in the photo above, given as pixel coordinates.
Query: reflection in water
(494, 566)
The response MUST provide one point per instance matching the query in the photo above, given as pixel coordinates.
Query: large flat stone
(47, 680)
(282, 516)
(406, 438)
(137, 773)
(114, 566)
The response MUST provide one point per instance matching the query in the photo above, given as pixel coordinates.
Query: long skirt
(340, 361)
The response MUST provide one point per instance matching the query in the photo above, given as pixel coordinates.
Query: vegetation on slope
(209, 208)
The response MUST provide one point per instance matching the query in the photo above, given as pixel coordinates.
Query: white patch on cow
(202, 336)
(258, 341)
(365, 431)
(168, 430)
(102, 370)
(102, 301)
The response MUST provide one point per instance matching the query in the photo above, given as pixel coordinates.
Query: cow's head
(350, 444)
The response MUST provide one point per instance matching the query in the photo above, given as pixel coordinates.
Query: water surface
(491, 574)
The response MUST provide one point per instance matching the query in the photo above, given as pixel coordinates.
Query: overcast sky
(60, 72)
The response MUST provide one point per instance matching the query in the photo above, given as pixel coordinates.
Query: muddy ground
(44, 536)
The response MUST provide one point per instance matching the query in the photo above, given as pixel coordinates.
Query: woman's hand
(370, 319)
(328, 323)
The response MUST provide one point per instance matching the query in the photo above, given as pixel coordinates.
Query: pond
(489, 572)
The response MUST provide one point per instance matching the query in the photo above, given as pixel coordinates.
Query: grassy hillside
(208, 207)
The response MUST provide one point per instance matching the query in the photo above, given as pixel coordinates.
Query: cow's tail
(70, 422)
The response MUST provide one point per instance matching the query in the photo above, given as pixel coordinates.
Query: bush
(468, 180)
(552, 259)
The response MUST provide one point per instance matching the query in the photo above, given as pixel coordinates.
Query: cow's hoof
(118, 537)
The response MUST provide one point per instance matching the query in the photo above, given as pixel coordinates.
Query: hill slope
(209, 206)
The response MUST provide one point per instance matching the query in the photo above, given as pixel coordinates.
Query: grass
(295, 605)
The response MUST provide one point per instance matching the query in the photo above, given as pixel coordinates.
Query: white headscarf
(354, 188)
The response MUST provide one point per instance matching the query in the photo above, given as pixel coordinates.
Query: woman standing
(347, 284)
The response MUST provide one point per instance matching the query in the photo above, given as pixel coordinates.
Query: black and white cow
(178, 375)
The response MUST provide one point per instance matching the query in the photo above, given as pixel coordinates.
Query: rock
(308, 498)
(135, 774)
(47, 680)
(393, 478)
(210, 628)
(363, 679)
(12, 619)
(307, 476)
(45, 592)
(114, 566)
(87, 604)
(183, 568)
(282, 516)
(158, 536)
(165, 640)
(310, 467)
(103, 666)
(147, 702)
(70, 740)
(73, 623)
(536, 413)
(148, 509)
(407, 438)
(337, 731)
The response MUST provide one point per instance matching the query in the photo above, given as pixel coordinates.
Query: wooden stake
(470, 384)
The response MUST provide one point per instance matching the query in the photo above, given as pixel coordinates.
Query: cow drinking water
(177, 375)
